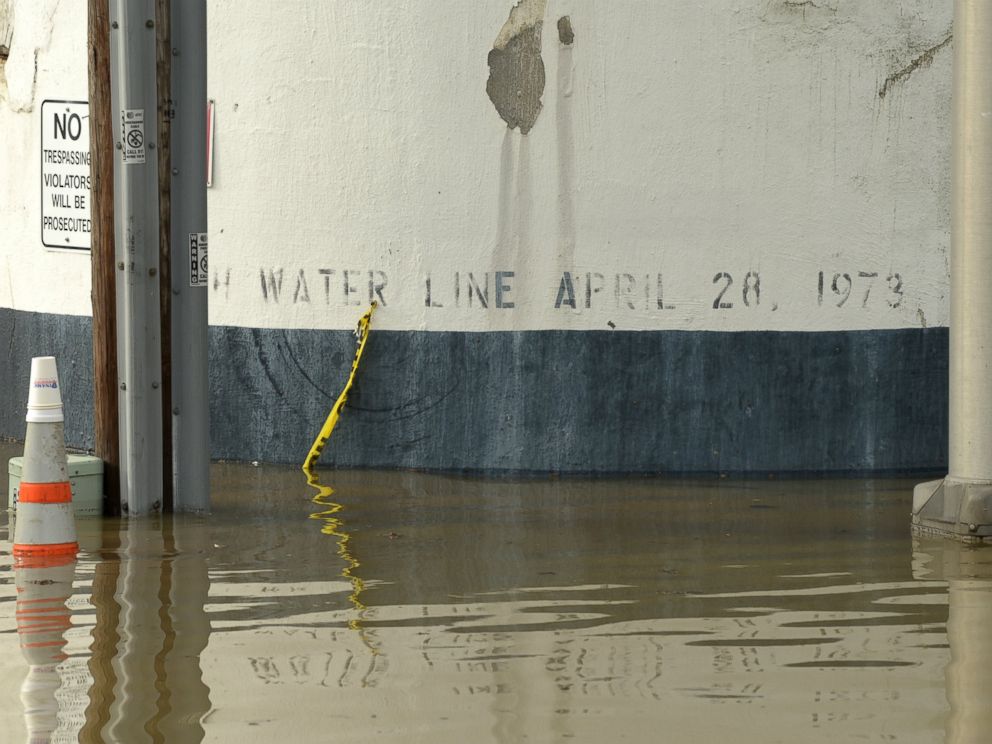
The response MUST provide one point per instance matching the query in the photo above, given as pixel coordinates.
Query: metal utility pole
(961, 504)
(136, 217)
(190, 400)
(106, 432)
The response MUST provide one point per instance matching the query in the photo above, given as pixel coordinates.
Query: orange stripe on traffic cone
(45, 493)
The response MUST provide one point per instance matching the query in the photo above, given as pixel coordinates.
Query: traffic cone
(45, 524)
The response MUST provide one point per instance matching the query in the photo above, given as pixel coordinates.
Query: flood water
(419, 608)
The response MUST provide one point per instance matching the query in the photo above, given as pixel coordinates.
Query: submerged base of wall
(540, 401)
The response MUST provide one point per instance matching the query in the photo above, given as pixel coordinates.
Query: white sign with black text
(132, 136)
(65, 174)
(198, 259)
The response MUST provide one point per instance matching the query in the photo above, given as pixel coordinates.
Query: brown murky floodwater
(435, 609)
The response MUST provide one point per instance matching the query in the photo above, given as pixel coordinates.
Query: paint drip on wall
(516, 69)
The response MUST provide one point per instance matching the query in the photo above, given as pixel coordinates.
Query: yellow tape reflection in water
(332, 524)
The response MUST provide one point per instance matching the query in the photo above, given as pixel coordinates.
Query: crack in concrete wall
(922, 61)
(516, 68)
(808, 4)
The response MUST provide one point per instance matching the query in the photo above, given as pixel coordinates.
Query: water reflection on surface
(636, 610)
(968, 572)
(113, 640)
(43, 587)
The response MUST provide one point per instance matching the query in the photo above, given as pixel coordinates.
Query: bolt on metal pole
(190, 400)
(961, 504)
(136, 233)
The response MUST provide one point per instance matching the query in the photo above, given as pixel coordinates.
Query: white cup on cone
(45, 393)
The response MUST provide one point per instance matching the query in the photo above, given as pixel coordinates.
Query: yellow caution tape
(362, 331)
(332, 524)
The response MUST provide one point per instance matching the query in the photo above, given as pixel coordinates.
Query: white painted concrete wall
(47, 61)
(771, 137)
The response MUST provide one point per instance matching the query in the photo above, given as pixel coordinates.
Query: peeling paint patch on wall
(516, 68)
(565, 33)
(6, 34)
(6, 30)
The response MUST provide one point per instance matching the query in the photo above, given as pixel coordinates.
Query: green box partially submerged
(85, 478)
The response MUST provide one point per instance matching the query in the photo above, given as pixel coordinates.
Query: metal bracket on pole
(960, 506)
(190, 399)
(136, 232)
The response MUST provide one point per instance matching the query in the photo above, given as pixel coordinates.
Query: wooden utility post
(163, 59)
(103, 294)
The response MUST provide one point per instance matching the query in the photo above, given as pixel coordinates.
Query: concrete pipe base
(955, 509)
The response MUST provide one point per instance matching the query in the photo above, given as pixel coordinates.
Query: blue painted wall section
(602, 402)
(69, 339)
(529, 402)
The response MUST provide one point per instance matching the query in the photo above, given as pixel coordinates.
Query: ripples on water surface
(446, 610)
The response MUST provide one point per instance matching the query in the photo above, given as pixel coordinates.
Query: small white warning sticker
(132, 136)
(198, 259)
